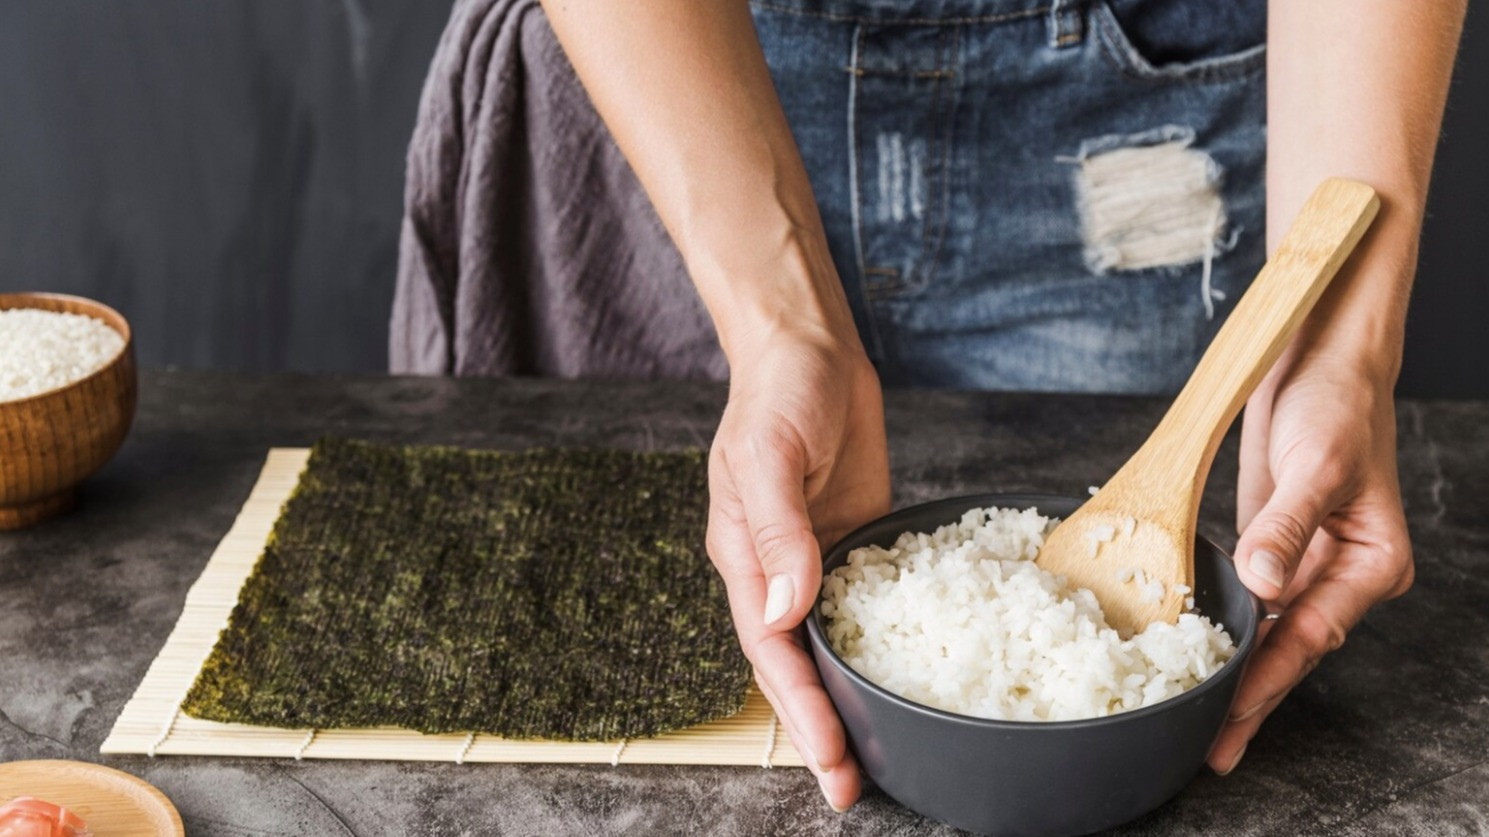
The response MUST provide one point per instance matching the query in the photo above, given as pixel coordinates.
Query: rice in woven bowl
(67, 402)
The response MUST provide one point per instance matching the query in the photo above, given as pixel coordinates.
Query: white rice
(43, 350)
(963, 620)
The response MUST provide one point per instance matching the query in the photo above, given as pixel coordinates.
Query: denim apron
(1029, 194)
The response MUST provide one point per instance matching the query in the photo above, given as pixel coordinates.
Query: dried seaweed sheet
(558, 594)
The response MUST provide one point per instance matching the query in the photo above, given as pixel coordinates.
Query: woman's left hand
(1323, 533)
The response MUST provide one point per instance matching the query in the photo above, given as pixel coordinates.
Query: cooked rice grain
(963, 620)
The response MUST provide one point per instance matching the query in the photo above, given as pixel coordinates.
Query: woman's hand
(1355, 88)
(798, 461)
(1323, 535)
(799, 458)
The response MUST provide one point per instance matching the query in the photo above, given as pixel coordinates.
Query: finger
(1320, 556)
(841, 784)
(784, 669)
(781, 663)
(1254, 481)
(1230, 747)
(1273, 544)
(733, 555)
(1314, 625)
(770, 479)
(728, 538)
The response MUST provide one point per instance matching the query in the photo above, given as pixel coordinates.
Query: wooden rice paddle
(1150, 507)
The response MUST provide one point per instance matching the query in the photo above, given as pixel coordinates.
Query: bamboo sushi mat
(153, 724)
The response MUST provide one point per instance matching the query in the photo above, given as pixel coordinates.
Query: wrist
(1359, 326)
(763, 289)
(1357, 374)
(1364, 359)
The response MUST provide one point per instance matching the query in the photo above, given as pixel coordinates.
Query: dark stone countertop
(1389, 736)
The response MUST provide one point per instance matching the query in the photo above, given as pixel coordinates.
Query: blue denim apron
(1028, 194)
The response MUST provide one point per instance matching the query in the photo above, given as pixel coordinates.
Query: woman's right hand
(799, 460)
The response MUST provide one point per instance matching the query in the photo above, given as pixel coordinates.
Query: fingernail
(832, 804)
(1268, 567)
(1233, 762)
(778, 599)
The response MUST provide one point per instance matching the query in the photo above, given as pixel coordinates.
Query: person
(1026, 194)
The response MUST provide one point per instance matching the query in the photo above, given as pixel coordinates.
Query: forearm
(1356, 89)
(684, 88)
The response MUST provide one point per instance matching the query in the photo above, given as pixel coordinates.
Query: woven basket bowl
(52, 441)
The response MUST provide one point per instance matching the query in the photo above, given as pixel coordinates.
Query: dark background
(229, 175)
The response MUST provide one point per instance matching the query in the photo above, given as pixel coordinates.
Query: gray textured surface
(1389, 736)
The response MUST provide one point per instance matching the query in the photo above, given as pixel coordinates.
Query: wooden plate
(111, 802)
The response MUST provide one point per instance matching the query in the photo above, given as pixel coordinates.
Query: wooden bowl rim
(112, 775)
(113, 319)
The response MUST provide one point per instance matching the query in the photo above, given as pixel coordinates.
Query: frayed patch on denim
(1151, 200)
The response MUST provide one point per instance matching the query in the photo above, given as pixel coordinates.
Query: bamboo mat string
(470, 740)
(770, 741)
(168, 726)
(304, 745)
(615, 757)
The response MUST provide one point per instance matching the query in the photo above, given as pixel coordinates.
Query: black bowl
(1032, 778)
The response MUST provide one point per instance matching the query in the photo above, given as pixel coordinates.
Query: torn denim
(1021, 195)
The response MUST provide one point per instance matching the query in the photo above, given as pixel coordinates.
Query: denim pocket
(1123, 53)
(903, 93)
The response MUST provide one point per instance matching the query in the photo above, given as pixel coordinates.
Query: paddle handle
(1320, 239)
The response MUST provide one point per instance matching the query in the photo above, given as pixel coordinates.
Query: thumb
(772, 490)
(1273, 544)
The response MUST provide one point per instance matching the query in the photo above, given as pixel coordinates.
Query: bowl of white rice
(983, 691)
(67, 398)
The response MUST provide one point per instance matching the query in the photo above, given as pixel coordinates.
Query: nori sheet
(557, 594)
